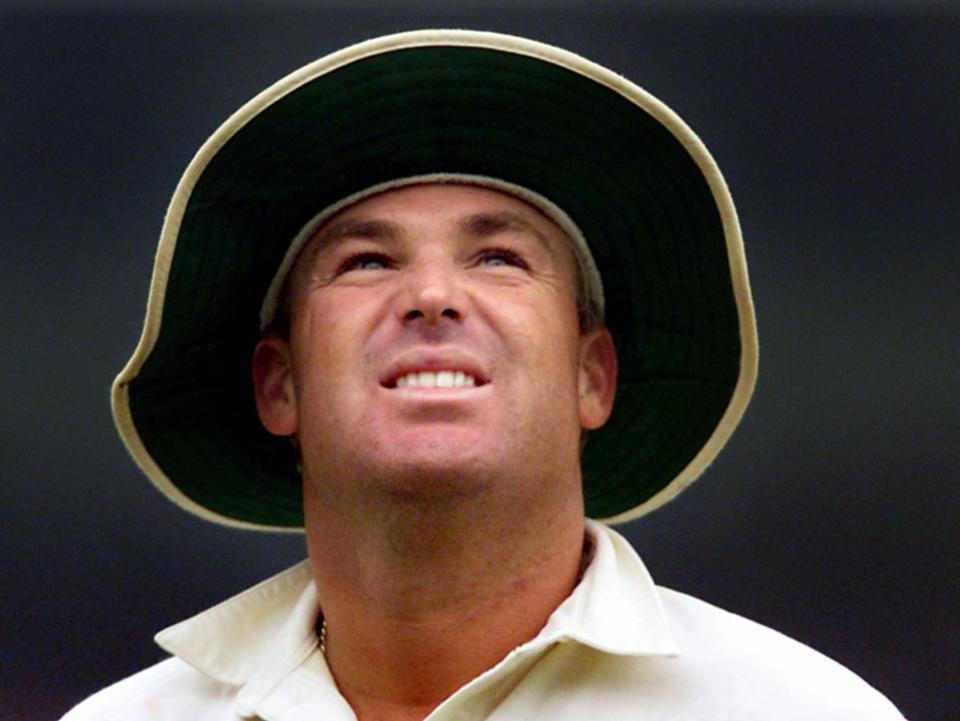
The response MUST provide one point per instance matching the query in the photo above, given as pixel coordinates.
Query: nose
(432, 294)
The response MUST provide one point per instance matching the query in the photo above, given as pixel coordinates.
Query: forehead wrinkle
(372, 229)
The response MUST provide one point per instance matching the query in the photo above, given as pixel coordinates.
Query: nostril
(429, 316)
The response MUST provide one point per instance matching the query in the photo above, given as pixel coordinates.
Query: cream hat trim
(495, 41)
(749, 345)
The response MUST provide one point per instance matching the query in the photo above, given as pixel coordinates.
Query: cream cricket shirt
(617, 649)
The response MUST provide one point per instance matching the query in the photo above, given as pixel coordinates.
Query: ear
(273, 385)
(597, 377)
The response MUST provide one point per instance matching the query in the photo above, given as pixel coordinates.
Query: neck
(421, 595)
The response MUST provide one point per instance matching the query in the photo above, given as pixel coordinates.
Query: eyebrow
(490, 223)
(482, 225)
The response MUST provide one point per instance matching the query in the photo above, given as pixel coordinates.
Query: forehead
(468, 208)
(436, 196)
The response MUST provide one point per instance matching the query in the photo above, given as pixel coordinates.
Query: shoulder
(166, 691)
(766, 670)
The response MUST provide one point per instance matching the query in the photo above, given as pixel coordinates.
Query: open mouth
(446, 378)
(436, 379)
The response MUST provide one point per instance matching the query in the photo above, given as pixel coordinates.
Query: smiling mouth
(443, 378)
(436, 379)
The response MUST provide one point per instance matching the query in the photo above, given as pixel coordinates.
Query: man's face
(433, 335)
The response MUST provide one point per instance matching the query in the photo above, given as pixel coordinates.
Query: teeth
(436, 379)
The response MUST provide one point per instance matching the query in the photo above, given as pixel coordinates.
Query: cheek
(545, 335)
(321, 342)
(340, 341)
(332, 323)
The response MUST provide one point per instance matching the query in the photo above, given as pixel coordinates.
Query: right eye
(364, 261)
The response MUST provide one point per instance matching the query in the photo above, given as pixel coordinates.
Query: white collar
(259, 638)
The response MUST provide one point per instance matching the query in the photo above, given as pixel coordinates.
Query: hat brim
(646, 194)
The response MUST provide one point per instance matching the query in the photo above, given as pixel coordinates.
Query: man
(446, 253)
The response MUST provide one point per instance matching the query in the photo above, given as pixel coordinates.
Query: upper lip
(416, 361)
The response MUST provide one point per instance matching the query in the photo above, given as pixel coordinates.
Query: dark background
(832, 515)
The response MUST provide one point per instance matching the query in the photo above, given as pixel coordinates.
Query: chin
(440, 470)
(454, 469)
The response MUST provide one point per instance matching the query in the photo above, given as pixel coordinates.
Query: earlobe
(273, 385)
(597, 377)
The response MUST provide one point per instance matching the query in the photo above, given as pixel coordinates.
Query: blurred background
(833, 514)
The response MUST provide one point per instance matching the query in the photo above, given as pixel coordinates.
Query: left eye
(501, 256)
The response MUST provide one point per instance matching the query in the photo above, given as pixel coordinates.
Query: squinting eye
(364, 261)
(501, 256)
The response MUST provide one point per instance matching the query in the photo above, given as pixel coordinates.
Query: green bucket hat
(630, 176)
